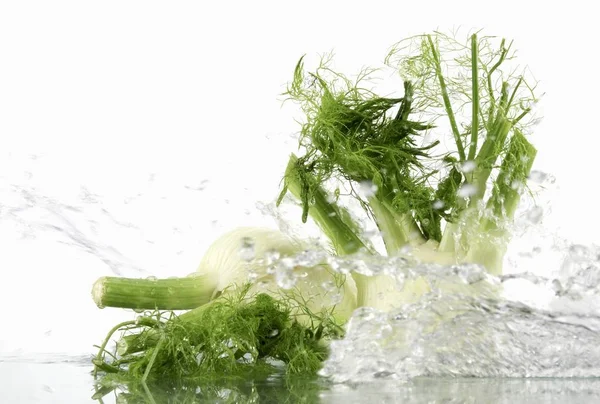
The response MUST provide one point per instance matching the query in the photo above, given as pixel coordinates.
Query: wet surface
(72, 382)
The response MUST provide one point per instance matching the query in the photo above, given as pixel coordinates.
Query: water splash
(452, 333)
(122, 225)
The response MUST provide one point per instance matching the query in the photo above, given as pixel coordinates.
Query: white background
(131, 133)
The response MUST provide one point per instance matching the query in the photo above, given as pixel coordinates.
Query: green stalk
(514, 171)
(475, 97)
(485, 161)
(129, 344)
(447, 105)
(329, 217)
(490, 73)
(490, 245)
(149, 294)
(488, 154)
(337, 226)
(397, 231)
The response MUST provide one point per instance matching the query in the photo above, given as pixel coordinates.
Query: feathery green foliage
(232, 337)
(420, 192)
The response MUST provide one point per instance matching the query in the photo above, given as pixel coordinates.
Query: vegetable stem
(475, 97)
(328, 217)
(326, 214)
(512, 177)
(489, 248)
(396, 232)
(488, 154)
(129, 344)
(447, 104)
(148, 294)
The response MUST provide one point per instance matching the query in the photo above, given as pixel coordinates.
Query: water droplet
(535, 214)
(467, 166)
(336, 298)
(152, 278)
(284, 276)
(199, 358)
(247, 252)
(467, 190)
(252, 275)
(301, 274)
(328, 286)
(438, 204)
(470, 274)
(517, 185)
(274, 333)
(272, 256)
(246, 358)
(578, 250)
(540, 177)
(308, 258)
(557, 287)
(367, 188)
(371, 233)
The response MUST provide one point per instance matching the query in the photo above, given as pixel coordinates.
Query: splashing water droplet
(467, 166)
(272, 256)
(467, 191)
(540, 177)
(309, 258)
(252, 275)
(368, 189)
(336, 299)
(557, 287)
(517, 185)
(328, 286)
(470, 274)
(284, 274)
(247, 252)
(578, 250)
(438, 204)
(535, 214)
(302, 274)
